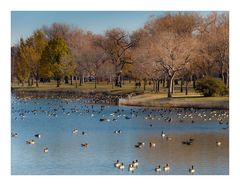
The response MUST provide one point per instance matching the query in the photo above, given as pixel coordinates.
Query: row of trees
(174, 47)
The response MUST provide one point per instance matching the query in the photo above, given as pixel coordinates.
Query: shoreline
(138, 99)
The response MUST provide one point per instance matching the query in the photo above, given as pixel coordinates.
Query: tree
(22, 62)
(54, 59)
(116, 43)
(36, 46)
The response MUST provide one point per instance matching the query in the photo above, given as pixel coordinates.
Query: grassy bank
(179, 100)
(127, 95)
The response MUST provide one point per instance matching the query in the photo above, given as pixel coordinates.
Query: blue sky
(23, 23)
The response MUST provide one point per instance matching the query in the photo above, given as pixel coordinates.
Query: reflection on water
(55, 120)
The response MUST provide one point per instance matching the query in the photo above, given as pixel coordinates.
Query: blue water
(55, 119)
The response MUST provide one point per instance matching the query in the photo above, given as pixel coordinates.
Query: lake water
(55, 120)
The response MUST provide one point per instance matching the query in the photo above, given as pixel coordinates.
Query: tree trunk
(172, 89)
(158, 85)
(76, 84)
(164, 83)
(72, 79)
(37, 82)
(95, 84)
(170, 80)
(22, 83)
(29, 83)
(181, 89)
(58, 82)
(186, 93)
(144, 84)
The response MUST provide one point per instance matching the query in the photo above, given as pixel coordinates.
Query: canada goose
(37, 135)
(131, 168)
(84, 145)
(74, 131)
(218, 143)
(135, 164)
(152, 144)
(117, 164)
(121, 166)
(45, 150)
(192, 170)
(163, 134)
(13, 135)
(158, 168)
(30, 142)
(166, 167)
(168, 138)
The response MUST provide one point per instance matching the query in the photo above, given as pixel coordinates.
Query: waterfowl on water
(13, 134)
(84, 145)
(84, 133)
(37, 135)
(152, 144)
(158, 168)
(121, 166)
(45, 150)
(140, 145)
(218, 143)
(192, 170)
(166, 167)
(131, 168)
(74, 131)
(117, 164)
(30, 142)
(135, 164)
(163, 134)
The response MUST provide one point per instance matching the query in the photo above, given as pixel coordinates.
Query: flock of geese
(165, 115)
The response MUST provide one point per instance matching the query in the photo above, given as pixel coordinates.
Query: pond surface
(55, 120)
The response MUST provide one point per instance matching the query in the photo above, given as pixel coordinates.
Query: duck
(45, 150)
(117, 164)
(131, 168)
(192, 170)
(140, 145)
(74, 131)
(121, 167)
(84, 145)
(158, 168)
(30, 142)
(152, 144)
(37, 135)
(13, 134)
(168, 138)
(166, 167)
(163, 134)
(218, 143)
(135, 164)
(84, 133)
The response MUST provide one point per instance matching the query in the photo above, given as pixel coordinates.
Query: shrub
(210, 86)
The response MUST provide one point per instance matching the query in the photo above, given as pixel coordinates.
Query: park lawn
(139, 97)
(194, 100)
